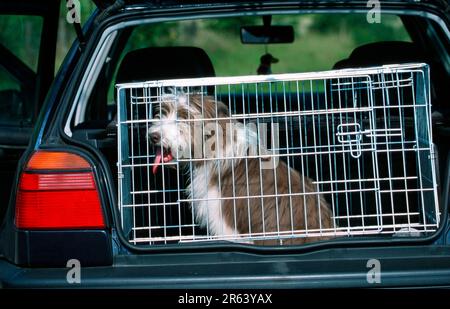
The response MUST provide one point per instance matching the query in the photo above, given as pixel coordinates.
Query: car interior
(127, 64)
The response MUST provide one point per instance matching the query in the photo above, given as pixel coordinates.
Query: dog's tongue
(166, 157)
(157, 160)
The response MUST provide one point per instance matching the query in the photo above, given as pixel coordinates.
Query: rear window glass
(21, 35)
(20, 38)
(320, 40)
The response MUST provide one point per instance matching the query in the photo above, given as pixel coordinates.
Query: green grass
(318, 45)
(315, 51)
(310, 54)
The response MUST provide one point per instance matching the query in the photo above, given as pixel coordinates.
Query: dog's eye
(210, 134)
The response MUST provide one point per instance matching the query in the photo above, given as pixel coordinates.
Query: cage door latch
(350, 134)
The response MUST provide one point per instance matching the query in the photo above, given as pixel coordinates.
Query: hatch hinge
(117, 5)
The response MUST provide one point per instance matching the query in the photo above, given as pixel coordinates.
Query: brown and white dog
(235, 195)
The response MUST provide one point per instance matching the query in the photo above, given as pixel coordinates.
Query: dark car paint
(216, 265)
(417, 266)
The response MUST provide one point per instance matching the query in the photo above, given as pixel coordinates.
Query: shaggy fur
(233, 194)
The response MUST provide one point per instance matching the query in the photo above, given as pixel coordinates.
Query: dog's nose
(155, 137)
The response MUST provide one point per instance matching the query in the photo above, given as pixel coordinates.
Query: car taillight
(57, 190)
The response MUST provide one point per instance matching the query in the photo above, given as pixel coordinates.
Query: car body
(38, 257)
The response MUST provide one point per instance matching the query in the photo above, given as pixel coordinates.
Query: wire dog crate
(313, 156)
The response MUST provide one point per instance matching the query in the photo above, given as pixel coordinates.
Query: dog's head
(185, 126)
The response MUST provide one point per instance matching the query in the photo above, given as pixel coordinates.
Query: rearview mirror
(267, 34)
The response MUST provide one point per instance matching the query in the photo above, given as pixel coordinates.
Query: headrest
(155, 63)
(379, 53)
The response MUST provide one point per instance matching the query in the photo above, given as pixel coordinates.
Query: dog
(233, 194)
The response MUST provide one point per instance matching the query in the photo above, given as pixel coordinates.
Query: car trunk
(365, 138)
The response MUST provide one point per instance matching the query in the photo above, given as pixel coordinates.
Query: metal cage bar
(278, 159)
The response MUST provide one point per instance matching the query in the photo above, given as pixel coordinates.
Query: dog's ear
(222, 109)
(156, 111)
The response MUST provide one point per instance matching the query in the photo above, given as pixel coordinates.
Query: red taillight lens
(54, 160)
(57, 190)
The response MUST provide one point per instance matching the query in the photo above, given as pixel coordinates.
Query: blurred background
(334, 36)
